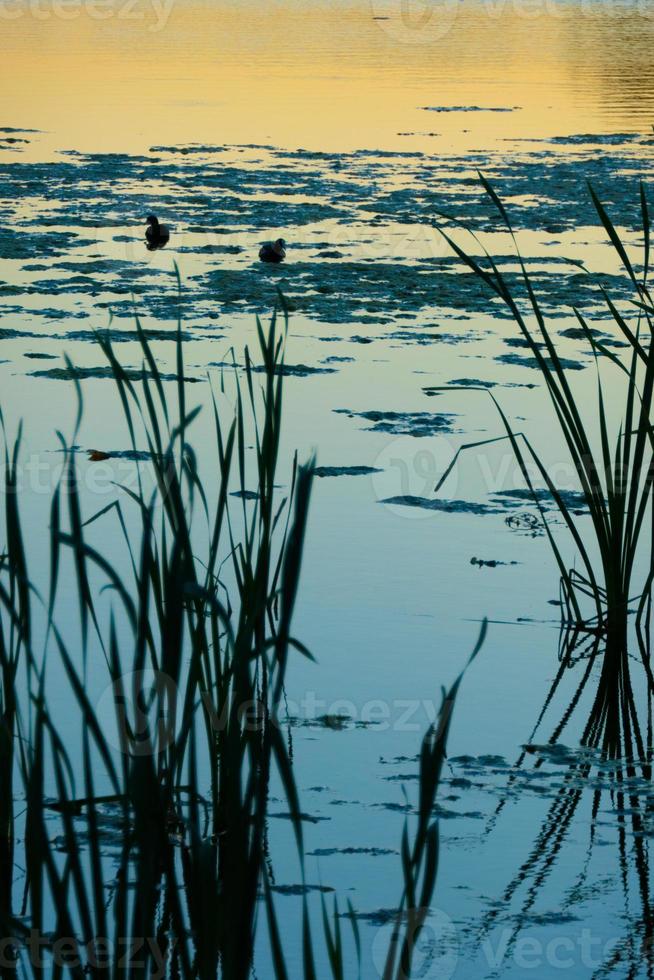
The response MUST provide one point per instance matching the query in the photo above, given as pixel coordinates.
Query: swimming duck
(273, 251)
(156, 235)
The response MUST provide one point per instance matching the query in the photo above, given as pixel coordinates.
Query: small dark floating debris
(490, 562)
(525, 522)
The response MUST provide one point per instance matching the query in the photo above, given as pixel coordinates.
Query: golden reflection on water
(323, 76)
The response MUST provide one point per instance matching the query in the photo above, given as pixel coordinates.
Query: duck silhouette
(156, 235)
(273, 251)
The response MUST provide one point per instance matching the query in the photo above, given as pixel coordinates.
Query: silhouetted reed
(151, 825)
(615, 474)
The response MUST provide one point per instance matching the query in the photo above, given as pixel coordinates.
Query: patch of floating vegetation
(286, 370)
(369, 851)
(477, 383)
(103, 371)
(305, 817)
(468, 108)
(216, 202)
(576, 333)
(378, 918)
(298, 370)
(328, 471)
(425, 338)
(517, 360)
(295, 890)
(442, 505)
(189, 148)
(545, 918)
(333, 722)
(338, 292)
(593, 139)
(26, 244)
(574, 500)
(404, 423)
(13, 143)
(118, 336)
(10, 333)
(501, 501)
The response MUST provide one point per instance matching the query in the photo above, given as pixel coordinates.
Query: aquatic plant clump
(615, 473)
(142, 811)
(191, 637)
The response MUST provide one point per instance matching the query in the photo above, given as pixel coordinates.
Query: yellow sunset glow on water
(125, 74)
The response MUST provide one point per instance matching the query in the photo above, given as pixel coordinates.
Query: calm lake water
(347, 128)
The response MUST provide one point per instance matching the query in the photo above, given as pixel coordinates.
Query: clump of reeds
(218, 655)
(195, 649)
(615, 472)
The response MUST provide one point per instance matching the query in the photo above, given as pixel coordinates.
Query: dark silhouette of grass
(196, 647)
(616, 475)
